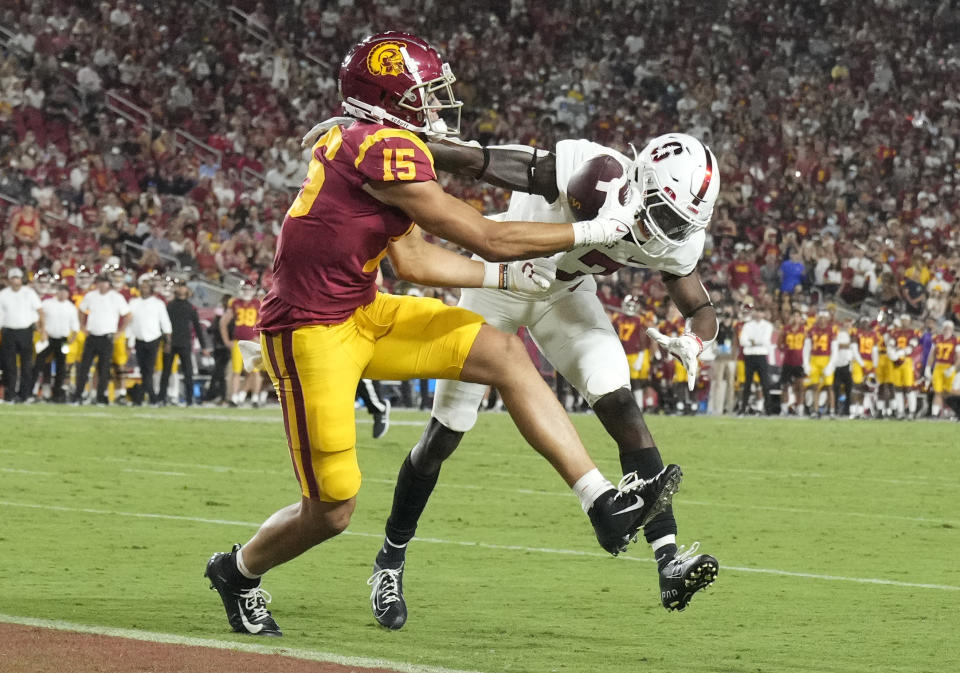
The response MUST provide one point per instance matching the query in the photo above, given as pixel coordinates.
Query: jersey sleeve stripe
(383, 134)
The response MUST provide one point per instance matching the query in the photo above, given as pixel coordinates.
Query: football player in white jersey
(678, 177)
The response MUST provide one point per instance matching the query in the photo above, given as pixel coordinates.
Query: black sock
(664, 555)
(647, 463)
(409, 500)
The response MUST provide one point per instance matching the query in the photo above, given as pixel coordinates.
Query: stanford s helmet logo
(386, 59)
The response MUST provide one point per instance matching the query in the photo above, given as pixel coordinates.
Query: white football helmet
(679, 179)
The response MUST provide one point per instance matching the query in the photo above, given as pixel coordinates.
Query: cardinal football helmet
(679, 179)
(399, 80)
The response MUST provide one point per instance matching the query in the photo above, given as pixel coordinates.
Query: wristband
(494, 276)
(582, 234)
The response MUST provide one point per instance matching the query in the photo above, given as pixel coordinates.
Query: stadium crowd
(164, 137)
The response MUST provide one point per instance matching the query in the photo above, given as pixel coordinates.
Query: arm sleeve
(74, 320)
(394, 155)
(516, 167)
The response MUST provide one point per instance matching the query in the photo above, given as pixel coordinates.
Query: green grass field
(838, 542)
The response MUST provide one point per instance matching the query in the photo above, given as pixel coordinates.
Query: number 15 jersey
(335, 234)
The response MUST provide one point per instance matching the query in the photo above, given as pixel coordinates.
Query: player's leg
(315, 372)
(577, 338)
(452, 343)
(186, 368)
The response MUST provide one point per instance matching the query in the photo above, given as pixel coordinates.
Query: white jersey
(568, 324)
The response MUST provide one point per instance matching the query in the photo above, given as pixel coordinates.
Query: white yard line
(174, 639)
(500, 489)
(485, 545)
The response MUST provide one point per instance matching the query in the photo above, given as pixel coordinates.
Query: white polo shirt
(148, 318)
(103, 311)
(18, 310)
(60, 318)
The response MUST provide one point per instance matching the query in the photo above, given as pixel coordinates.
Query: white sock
(662, 541)
(912, 401)
(898, 403)
(589, 487)
(243, 568)
(935, 412)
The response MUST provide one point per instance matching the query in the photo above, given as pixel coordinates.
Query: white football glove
(686, 348)
(614, 220)
(252, 354)
(806, 369)
(530, 276)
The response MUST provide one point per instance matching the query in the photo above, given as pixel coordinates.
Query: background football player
(816, 360)
(865, 370)
(902, 341)
(678, 178)
(939, 363)
(244, 310)
(636, 345)
(791, 340)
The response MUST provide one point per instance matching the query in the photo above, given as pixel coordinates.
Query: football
(587, 189)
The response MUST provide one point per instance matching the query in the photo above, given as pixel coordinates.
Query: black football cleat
(619, 513)
(686, 574)
(246, 606)
(381, 421)
(386, 596)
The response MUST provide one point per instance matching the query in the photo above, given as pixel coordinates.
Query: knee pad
(339, 475)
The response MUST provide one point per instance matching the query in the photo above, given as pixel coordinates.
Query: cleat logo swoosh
(635, 506)
(252, 628)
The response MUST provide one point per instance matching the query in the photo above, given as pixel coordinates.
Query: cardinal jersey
(820, 340)
(245, 314)
(632, 334)
(791, 343)
(866, 341)
(944, 349)
(335, 234)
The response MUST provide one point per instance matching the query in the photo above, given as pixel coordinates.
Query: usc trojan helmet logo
(386, 59)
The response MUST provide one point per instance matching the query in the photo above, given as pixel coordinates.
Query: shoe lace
(255, 601)
(629, 483)
(386, 586)
(682, 555)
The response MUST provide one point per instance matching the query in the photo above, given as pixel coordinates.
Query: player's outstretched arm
(450, 218)
(515, 167)
(416, 260)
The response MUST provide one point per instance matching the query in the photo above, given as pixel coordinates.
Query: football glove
(614, 220)
(686, 348)
(530, 276)
(252, 354)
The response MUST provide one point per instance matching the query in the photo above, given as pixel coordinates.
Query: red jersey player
(940, 364)
(324, 326)
(244, 310)
(636, 344)
(792, 337)
(902, 340)
(816, 358)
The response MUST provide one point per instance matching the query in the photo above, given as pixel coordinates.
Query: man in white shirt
(19, 312)
(105, 317)
(756, 340)
(149, 326)
(62, 322)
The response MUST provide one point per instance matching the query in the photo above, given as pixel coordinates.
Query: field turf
(838, 542)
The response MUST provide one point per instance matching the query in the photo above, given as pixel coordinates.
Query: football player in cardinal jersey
(866, 341)
(792, 337)
(678, 178)
(244, 310)
(816, 360)
(636, 344)
(901, 343)
(370, 189)
(939, 368)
